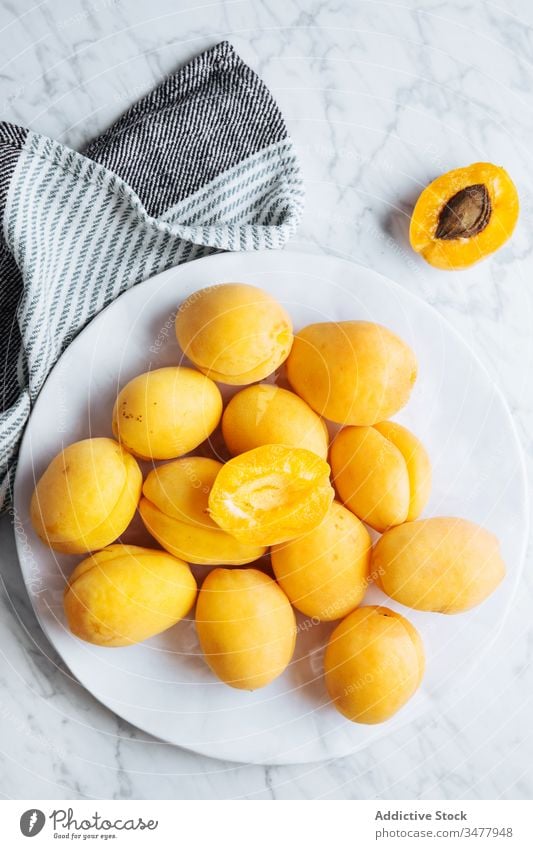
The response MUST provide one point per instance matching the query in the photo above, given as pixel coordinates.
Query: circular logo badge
(32, 822)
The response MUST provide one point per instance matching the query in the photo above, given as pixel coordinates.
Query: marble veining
(379, 97)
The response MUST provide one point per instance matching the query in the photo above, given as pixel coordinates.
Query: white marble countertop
(379, 97)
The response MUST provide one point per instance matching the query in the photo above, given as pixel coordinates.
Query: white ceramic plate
(163, 686)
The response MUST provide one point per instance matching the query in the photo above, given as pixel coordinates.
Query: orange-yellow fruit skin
(459, 253)
(266, 415)
(381, 473)
(166, 413)
(325, 573)
(374, 663)
(87, 496)
(445, 565)
(351, 372)
(175, 511)
(271, 494)
(234, 333)
(246, 627)
(125, 594)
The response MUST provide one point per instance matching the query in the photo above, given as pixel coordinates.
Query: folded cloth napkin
(203, 163)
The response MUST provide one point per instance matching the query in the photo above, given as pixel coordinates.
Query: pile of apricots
(284, 523)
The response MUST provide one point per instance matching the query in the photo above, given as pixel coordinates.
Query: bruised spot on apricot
(464, 215)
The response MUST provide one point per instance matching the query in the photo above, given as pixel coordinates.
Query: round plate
(163, 686)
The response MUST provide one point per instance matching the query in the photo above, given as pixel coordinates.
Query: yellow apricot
(266, 415)
(351, 372)
(175, 511)
(325, 573)
(443, 564)
(271, 494)
(381, 473)
(166, 413)
(126, 594)
(234, 333)
(87, 496)
(374, 663)
(246, 627)
(464, 215)
(417, 462)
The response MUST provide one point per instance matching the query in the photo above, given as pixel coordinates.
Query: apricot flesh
(381, 473)
(265, 415)
(351, 372)
(174, 510)
(234, 333)
(87, 496)
(125, 594)
(325, 573)
(166, 413)
(444, 564)
(246, 627)
(271, 494)
(374, 663)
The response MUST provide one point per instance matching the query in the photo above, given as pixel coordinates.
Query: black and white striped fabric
(203, 163)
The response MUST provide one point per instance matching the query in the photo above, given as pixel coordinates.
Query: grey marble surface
(380, 97)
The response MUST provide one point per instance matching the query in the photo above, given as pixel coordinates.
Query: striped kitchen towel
(203, 163)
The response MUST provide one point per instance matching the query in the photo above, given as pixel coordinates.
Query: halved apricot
(325, 572)
(351, 372)
(271, 494)
(464, 215)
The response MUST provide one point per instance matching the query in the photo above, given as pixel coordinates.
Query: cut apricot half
(464, 215)
(271, 494)
(174, 510)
